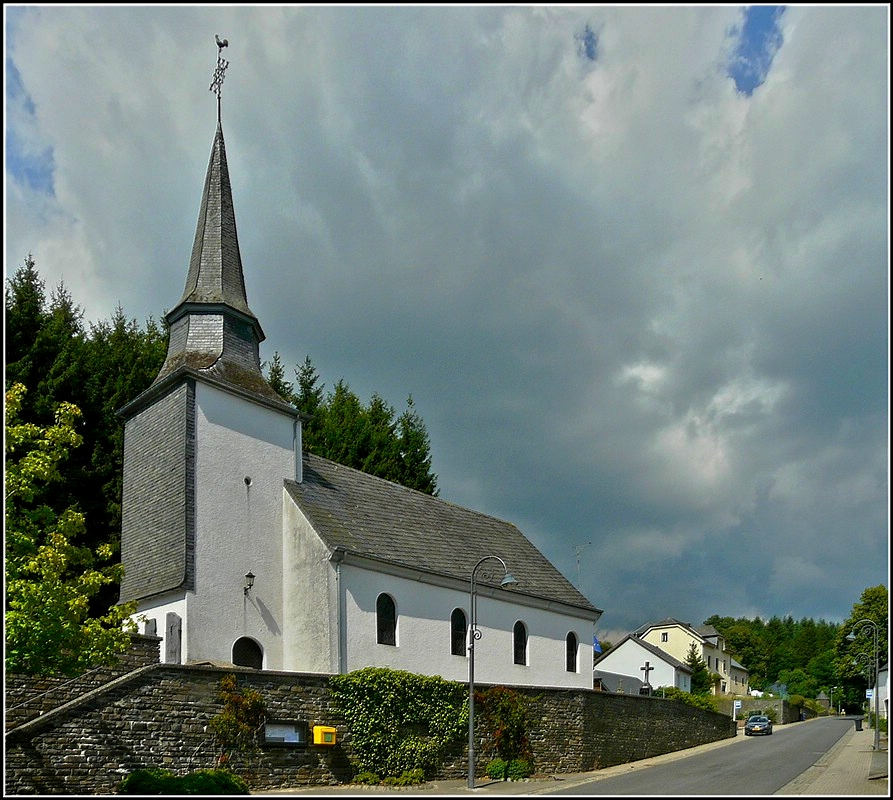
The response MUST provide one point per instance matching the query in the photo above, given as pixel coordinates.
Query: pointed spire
(215, 269)
(212, 330)
(213, 333)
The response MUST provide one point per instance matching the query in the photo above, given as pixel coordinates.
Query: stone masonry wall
(28, 697)
(157, 715)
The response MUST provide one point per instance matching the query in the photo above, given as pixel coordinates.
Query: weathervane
(219, 73)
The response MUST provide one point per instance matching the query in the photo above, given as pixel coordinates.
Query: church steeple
(212, 329)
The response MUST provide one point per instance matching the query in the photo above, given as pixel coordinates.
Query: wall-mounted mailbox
(322, 734)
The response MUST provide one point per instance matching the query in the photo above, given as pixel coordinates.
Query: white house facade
(238, 547)
(632, 657)
(883, 692)
(675, 638)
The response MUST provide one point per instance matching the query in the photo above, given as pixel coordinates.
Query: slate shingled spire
(212, 329)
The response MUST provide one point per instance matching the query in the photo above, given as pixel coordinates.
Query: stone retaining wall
(157, 715)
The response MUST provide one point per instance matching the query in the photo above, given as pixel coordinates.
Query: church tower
(206, 450)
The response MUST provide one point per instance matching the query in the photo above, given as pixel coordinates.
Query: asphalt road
(749, 765)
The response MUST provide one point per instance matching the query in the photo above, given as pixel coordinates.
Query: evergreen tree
(25, 298)
(415, 452)
(276, 379)
(310, 395)
(701, 679)
(338, 426)
(121, 362)
(98, 371)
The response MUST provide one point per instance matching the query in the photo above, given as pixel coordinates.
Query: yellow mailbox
(322, 734)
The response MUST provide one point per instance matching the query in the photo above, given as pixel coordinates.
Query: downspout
(298, 450)
(337, 558)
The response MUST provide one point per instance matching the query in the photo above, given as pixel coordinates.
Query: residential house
(239, 547)
(632, 663)
(675, 637)
(883, 692)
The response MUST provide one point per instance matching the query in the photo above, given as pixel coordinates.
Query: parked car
(757, 726)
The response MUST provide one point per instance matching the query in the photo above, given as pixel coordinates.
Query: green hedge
(162, 781)
(400, 723)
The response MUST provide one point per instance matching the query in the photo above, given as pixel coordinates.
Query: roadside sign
(737, 704)
(869, 693)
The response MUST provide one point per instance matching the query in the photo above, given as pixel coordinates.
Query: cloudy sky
(631, 263)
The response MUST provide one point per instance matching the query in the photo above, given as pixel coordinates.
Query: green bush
(410, 777)
(497, 769)
(519, 769)
(516, 769)
(400, 722)
(162, 781)
(702, 701)
(369, 778)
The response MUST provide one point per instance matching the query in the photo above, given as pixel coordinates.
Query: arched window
(458, 633)
(520, 637)
(386, 616)
(570, 651)
(247, 653)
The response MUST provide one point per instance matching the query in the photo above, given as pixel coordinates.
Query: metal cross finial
(219, 72)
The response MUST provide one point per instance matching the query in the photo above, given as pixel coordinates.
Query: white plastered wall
(423, 633)
(309, 596)
(157, 610)
(629, 658)
(243, 452)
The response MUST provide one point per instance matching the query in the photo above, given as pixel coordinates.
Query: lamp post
(868, 623)
(473, 635)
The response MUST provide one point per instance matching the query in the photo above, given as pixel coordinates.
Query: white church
(239, 547)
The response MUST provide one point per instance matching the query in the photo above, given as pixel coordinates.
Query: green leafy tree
(701, 678)
(855, 659)
(799, 682)
(769, 649)
(49, 579)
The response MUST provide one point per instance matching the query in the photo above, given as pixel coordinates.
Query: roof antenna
(219, 75)
(578, 549)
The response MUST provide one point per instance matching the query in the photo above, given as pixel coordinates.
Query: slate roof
(668, 622)
(382, 520)
(617, 683)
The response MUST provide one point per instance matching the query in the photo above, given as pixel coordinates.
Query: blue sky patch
(759, 39)
(587, 43)
(23, 163)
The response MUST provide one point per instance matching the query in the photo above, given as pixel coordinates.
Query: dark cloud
(633, 306)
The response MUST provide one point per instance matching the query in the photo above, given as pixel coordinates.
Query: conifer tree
(701, 679)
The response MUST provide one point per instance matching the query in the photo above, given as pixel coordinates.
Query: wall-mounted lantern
(249, 582)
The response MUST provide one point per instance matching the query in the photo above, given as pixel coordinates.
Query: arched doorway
(248, 653)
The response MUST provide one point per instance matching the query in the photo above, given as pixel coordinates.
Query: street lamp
(474, 634)
(851, 637)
